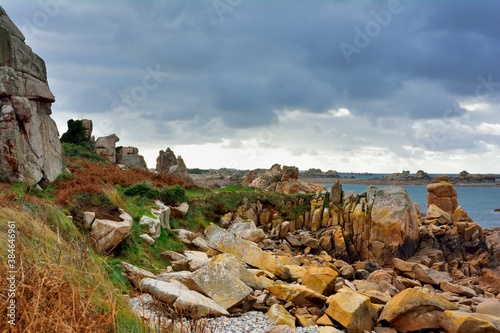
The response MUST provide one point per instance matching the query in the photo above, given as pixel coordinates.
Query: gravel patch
(250, 322)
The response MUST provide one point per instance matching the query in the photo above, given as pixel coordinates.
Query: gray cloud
(228, 73)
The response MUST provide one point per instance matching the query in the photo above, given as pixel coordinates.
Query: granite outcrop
(29, 139)
(352, 262)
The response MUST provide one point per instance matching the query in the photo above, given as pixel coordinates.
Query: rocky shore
(226, 177)
(352, 263)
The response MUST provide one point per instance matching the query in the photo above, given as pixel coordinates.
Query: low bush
(173, 195)
(143, 190)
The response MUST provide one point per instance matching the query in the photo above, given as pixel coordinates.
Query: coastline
(381, 181)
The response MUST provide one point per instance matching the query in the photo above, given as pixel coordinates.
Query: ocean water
(478, 202)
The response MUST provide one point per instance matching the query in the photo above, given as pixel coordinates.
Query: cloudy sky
(379, 86)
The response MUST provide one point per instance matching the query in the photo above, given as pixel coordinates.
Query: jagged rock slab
(352, 310)
(280, 316)
(135, 274)
(180, 297)
(221, 285)
(298, 294)
(246, 251)
(464, 322)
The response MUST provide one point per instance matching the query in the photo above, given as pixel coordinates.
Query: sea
(479, 202)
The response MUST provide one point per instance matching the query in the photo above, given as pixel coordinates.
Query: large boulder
(352, 310)
(393, 230)
(220, 284)
(247, 229)
(413, 310)
(189, 302)
(105, 146)
(232, 264)
(88, 127)
(280, 316)
(443, 195)
(31, 150)
(320, 279)
(421, 272)
(107, 234)
(135, 274)
(246, 251)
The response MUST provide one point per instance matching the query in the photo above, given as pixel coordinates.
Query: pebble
(250, 322)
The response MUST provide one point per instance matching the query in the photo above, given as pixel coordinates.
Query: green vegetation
(169, 195)
(61, 267)
(173, 195)
(142, 190)
(74, 150)
(75, 134)
(63, 284)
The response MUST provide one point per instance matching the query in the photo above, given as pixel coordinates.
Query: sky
(351, 86)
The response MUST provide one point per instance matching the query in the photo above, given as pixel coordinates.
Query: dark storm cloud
(237, 63)
(244, 63)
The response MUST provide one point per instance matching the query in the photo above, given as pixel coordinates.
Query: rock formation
(362, 263)
(283, 180)
(167, 162)
(465, 177)
(105, 146)
(449, 228)
(79, 133)
(29, 139)
(88, 127)
(129, 156)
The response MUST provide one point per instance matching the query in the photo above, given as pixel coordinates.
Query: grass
(61, 284)
(214, 203)
(136, 251)
(74, 150)
(89, 176)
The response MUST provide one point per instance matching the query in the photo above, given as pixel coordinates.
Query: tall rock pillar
(30, 150)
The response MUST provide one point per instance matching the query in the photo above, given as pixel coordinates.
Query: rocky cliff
(30, 148)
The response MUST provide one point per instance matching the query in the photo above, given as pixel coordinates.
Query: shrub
(75, 134)
(143, 190)
(173, 195)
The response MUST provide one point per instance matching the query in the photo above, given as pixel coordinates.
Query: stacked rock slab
(450, 229)
(29, 139)
(129, 156)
